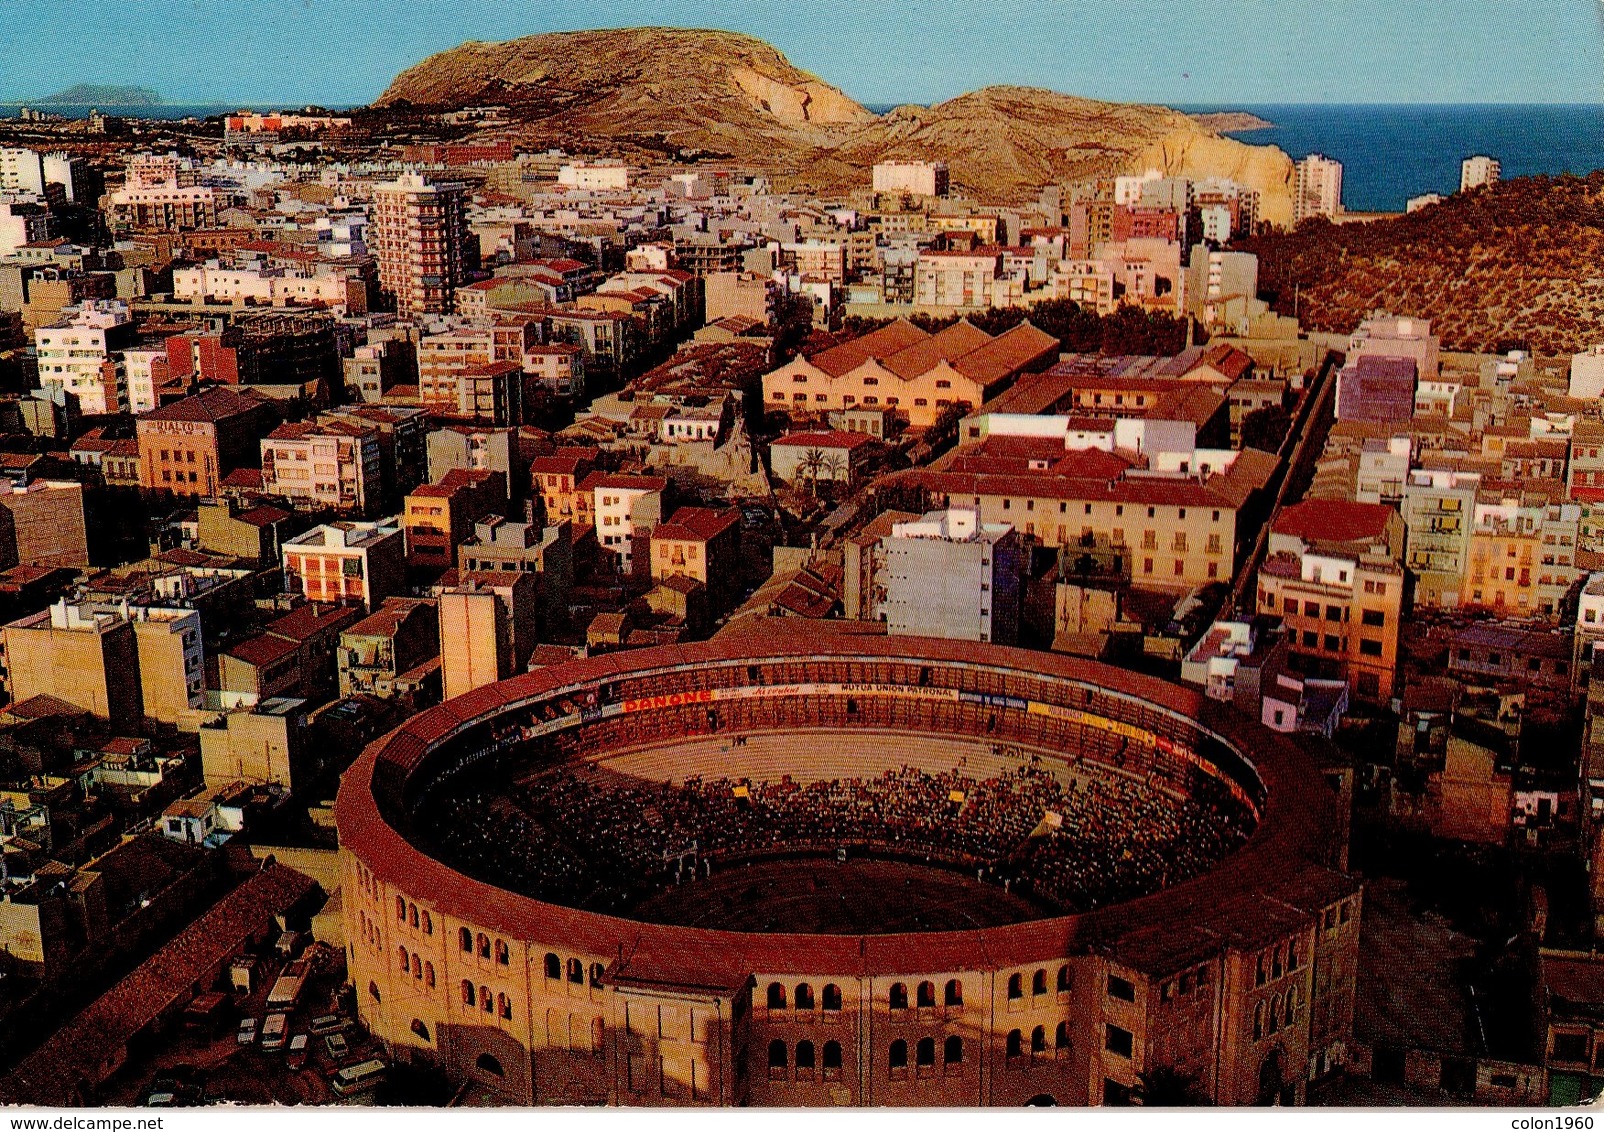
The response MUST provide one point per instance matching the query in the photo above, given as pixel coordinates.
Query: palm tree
(811, 464)
(1168, 1087)
(836, 466)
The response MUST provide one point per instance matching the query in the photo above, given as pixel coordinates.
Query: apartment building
(1333, 576)
(556, 478)
(478, 448)
(1522, 552)
(918, 178)
(187, 447)
(439, 517)
(623, 509)
(700, 544)
(324, 465)
(347, 561)
(487, 628)
(81, 355)
(44, 525)
(392, 651)
(1479, 171)
(1316, 188)
(1439, 511)
(80, 654)
(948, 575)
(964, 279)
(418, 233)
(444, 359)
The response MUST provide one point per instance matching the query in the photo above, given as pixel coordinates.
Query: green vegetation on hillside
(1520, 265)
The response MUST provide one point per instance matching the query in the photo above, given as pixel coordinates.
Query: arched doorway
(1273, 1086)
(1041, 1100)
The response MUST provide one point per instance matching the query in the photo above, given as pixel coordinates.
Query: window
(1374, 617)
(776, 996)
(778, 1057)
(832, 1059)
(428, 974)
(467, 992)
(954, 994)
(1015, 1044)
(405, 963)
(832, 996)
(804, 1057)
(925, 995)
(504, 1006)
(1016, 986)
(899, 996)
(1038, 983)
(503, 953)
(804, 996)
(1061, 1039)
(576, 972)
(596, 972)
(952, 1050)
(401, 909)
(1038, 1041)
(1063, 979)
(924, 1054)
(484, 946)
(1121, 989)
(1118, 1041)
(1369, 648)
(485, 1003)
(554, 965)
(420, 1029)
(898, 1056)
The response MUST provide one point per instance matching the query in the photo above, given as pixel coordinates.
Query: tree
(836, 465)
(1266, 429)
(1167, 1087)
(810, 465)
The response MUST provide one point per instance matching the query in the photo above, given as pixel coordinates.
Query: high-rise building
(1474, 172)
(81, 354)
(950, 575)
(81, 654)
(21, 171)
(418, 233)
(920, 178)
(1317, 188)
(487, 628)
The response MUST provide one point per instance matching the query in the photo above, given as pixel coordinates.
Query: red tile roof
(1333, 520)
(695, 524)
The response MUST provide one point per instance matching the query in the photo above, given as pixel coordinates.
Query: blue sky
(1202, 51)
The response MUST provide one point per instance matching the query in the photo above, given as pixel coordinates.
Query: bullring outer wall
(672, 1015)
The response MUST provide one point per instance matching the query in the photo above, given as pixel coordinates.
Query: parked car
(247, 1031)
(296, 1057)
(339, 1049)
(275, 1031)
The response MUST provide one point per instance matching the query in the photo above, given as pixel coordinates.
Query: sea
(1392, 153)
(1389, 153)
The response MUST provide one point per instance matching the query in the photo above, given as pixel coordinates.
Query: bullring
(603, 968)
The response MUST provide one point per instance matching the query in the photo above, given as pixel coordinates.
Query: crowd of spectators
(586, 837)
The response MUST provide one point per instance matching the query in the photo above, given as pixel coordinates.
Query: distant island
(1232, 121)
(92, 94)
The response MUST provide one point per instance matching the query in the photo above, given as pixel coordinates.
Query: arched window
(428, 974)
(899, 1054)
(804, 996)
(954, 995)
(417, 967)
(1258, 1021)
(1016, 986)
(899, 996)
(401, 909)
(467, 992)
(832, 1056)
(503, 953)
(373, 989)
(924, 1054)
(1292, 956)
(952, 1052)
(1061, 1037)
(485, 1002)
(831, 997)
(777, 1055)
(554, 966)
(487, 1063)
(576, 971)
(503, 1005)
(412, 912)
(420, 1029)
(598, 1035)
(1063, 979)
(1275, 964)
(1294, 1001)
(1273, 1017)
(596, 973)
(465, 939)
(484, 946)
(926, 994)
(428, 924)
(1258, 973)
(1038, 982)
(401, 953)
(1016, 1043)
(776, 996)
(804, 1056)
(1038, 1040)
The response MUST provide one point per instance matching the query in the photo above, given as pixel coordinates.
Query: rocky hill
(1517, 265)
(672, 92)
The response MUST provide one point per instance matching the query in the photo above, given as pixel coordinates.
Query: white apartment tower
(1477, 171)
(418, 233)
(1317, 188)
